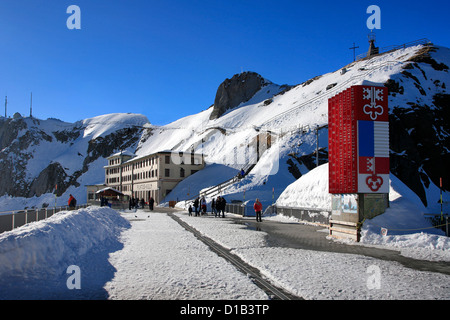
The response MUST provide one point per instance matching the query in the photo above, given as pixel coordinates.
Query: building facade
(151, 176)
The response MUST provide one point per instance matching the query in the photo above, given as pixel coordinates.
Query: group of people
(199, 206)
(218, 207)
(136, 203)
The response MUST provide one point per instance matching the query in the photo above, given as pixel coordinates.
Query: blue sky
(165, 59)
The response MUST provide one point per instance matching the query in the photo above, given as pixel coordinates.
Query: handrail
(36, 211)
(396, 47)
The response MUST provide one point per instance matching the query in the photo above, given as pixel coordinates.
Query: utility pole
(317, 146)
(354, 49)
(31, 106)
(6, 103)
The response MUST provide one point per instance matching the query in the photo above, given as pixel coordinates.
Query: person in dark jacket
(196, 204)
(151, 203)
(220, 205)
(213, 207)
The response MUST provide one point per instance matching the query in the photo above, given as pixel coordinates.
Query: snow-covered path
(324, 275)
(161, 260)
(141, 255)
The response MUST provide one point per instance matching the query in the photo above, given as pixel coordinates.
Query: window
(167, 172)
(182, 173)
(167, 159)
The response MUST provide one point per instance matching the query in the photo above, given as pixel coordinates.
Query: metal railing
(315, 215)
(439, 221)
(332, 91)
(236, 208)
(312, 215)
(423, 41)
(10, 220)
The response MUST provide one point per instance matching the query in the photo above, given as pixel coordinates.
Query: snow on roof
(109, 189)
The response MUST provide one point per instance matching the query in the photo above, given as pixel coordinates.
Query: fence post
(446, 226)
(13, 219)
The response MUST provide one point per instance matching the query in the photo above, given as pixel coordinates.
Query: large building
(153, 175)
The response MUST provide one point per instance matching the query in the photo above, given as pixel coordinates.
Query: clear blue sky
(166, 58)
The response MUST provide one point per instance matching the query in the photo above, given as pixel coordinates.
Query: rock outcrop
(232, 92)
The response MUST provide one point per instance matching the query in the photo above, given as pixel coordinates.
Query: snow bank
(408, 229)
(42, 251)
(309, 191)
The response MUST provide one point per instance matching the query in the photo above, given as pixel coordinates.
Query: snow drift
(42, 251)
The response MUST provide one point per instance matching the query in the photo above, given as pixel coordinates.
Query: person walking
(221, 204)
(258, 208)
(196, 203)
(72, 202)
(213, 207)
(203, 206)
(151, 202)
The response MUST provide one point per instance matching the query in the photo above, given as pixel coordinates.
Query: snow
(309, 191)
(70, 155)
(408, 229)
(34, 258)
(161, 260)
(142, 255)
(110, 247)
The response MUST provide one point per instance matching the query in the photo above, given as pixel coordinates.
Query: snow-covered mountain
(38, 154)
(417, 78)
(40, 158)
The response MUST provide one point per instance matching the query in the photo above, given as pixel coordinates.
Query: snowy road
(144, 255)
(161, 260)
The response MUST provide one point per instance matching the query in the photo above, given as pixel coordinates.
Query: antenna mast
(6, 103)
(31, 105)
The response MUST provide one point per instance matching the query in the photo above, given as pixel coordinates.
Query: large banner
(358, 140)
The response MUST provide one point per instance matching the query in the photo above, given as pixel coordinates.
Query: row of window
(149, 174)
(145, 163)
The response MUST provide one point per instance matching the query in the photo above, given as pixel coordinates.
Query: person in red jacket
(258, 208)
(72, 202)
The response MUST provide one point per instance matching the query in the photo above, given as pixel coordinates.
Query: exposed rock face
(232, 92)
(36, 155)
(420, 144)
(420, 124)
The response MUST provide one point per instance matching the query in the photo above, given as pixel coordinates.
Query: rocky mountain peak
(232, 92)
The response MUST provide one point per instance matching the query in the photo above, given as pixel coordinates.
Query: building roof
(161, 152)
(109, 190)
(122, 153)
